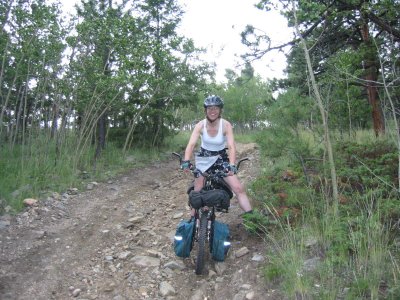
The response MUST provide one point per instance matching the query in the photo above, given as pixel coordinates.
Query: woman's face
(213, 112)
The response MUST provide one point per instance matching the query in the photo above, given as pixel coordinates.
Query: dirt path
(115, 242)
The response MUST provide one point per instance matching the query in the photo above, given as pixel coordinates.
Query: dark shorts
(222, 158)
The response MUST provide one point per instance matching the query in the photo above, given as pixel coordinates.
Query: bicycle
(214, 196)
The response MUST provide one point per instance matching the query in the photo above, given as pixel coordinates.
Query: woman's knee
(237, 187)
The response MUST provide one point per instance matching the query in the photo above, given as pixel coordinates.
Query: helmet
(213, 101)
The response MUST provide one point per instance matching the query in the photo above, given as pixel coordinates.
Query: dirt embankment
(114, 241)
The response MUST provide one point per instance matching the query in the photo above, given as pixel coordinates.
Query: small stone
(250, 295)
(257, 258)
(174, 265)
(241, 252)
(211, 274)
(39, 234)
(135, 220)
(166, 289)
(124, 255)
(4, 223)
(110, 287)
(30, 202)
(245, 287)
(178, 215)
(76, 292)
(156, 254)
(146, 261)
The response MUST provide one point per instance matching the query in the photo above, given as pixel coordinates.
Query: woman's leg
(198, 185)
(238, 188)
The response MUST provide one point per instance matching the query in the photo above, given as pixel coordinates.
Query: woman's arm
(230, 142)
(193, 140)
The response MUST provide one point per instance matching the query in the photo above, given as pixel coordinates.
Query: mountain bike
(214, 196)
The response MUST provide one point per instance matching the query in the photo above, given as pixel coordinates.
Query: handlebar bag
(218, 198)
(220, 241)
(183, 240)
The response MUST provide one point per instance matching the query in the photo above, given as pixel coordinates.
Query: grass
(36, 170)
(355, 254)
(248, 137)
(318, 260)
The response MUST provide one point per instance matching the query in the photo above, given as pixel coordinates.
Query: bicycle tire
(211, 234)
(201, 244)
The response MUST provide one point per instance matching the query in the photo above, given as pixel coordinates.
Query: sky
(216, 26)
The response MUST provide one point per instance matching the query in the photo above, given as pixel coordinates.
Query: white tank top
(213, 143)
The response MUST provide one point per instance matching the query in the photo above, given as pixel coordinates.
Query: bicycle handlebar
(237, 166)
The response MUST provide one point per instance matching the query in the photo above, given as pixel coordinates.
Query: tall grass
(36, 170)
(354, 254)
(325, 257)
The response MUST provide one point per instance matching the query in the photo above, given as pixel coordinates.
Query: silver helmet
(213, 101)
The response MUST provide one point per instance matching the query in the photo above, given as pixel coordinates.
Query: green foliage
(31, 47)
(367, 166)
(354, 250)
(30, 171)
(36, 171)
(126, 69)
(256, 222)
(286, 258)
(245, 138)
(286, 117)
(341, 62)
(246, 99)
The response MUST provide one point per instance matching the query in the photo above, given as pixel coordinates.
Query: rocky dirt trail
(114, 241)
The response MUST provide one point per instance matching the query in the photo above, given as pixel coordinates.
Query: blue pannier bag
(183, 240)
(220, 243)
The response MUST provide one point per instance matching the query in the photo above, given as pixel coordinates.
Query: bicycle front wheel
(201, 244)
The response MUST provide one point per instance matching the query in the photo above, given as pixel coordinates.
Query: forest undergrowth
(315, 253)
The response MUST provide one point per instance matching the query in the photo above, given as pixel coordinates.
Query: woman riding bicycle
(216, 136)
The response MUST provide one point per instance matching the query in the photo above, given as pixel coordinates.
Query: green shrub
(256, 222)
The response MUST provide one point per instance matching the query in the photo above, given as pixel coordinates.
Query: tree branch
(383, 25)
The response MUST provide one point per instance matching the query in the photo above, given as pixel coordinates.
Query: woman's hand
(186, 166)
(230, 169)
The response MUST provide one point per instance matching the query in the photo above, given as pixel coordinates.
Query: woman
(216, 135)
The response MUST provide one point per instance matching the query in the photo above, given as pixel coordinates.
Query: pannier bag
(183, 240)
(219, 198)
(220, 242)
